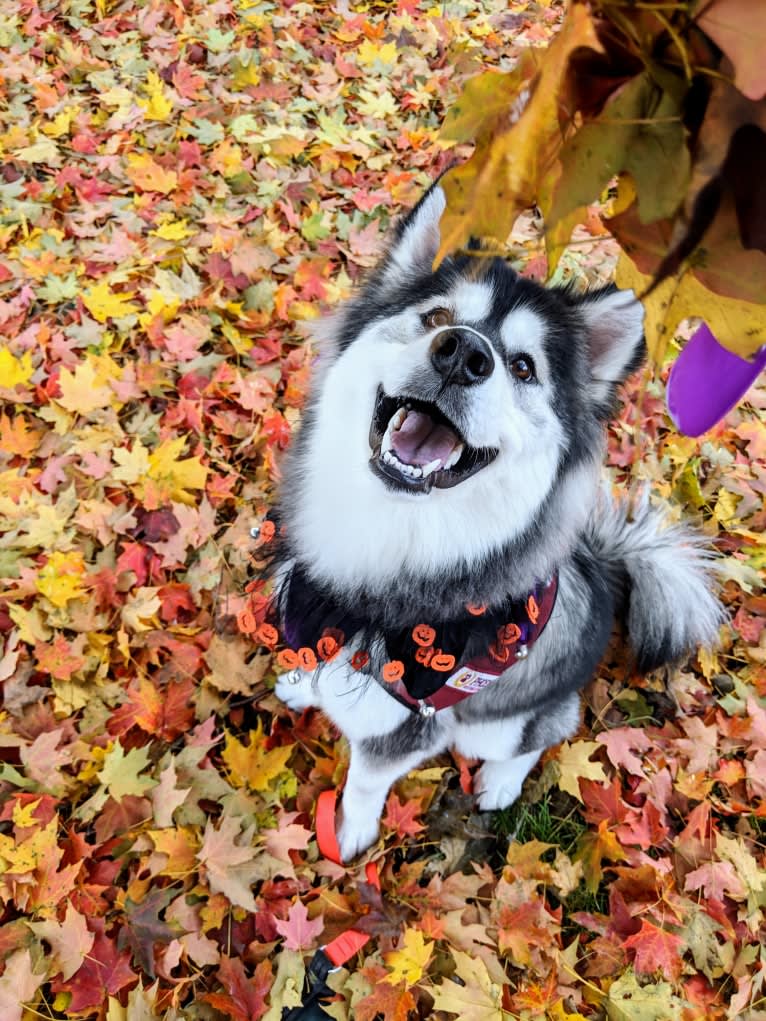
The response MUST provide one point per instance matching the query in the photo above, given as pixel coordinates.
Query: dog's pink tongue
(419, 441)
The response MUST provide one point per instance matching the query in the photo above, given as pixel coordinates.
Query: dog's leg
(498, 783)
(387, 740)
(297, 690)
(367, 784)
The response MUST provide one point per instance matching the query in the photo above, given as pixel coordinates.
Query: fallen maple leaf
(230, 866)
(574, 765)
(245, 998)
(478, 998)
(655, 950)
(401, 816)
(298, 931)
(409, 960)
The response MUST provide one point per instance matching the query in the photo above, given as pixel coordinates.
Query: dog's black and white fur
(516, 382)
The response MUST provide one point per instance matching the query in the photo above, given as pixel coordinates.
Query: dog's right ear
(416, 241)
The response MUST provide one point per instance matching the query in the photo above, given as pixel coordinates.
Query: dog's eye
(523, 368)
(437, 317)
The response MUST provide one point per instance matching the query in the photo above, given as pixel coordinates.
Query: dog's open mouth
(415, 446)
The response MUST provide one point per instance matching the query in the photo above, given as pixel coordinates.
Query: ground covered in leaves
(183, 186)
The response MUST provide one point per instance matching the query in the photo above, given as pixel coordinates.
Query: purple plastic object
(706, 381)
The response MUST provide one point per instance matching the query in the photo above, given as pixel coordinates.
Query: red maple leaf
(656, 950)
(401, 816)
(245, 998)
(104, 971)
(298, 931)
(276, 430)
(394, 1002)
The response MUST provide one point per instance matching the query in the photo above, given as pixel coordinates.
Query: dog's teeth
(432, 466)
(388, 457)
(397, 420)
(454, 456)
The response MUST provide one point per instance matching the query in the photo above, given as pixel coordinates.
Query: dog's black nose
(462, 357)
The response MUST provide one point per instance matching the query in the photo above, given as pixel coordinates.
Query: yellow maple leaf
(17, 437)
(177, 476)
(515, 121)
(592, 848)
(132, 464)
(477, 998)
(25, 856)
(174, 230)
(82, 391)
(369, 54)
(157, 106)
(147, 175)
(15, 371)
(409, 960)
(251, 764)
(103, 303)
(738, 325)
(726, 505)
(61, 580)
(574, 763)
(140, 608)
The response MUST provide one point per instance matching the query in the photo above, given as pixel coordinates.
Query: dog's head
(452, 412)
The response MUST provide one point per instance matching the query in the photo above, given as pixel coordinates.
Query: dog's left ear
(614, 323)
(416, 240)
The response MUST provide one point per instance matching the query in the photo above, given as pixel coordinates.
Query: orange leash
(343, 947)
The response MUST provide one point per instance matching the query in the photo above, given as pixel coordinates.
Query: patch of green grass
(553, 819)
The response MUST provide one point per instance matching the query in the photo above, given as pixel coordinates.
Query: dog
(443, 535)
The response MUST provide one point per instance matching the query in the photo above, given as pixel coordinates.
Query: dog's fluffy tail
(672, 608)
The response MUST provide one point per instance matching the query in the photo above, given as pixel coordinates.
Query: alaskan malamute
(442, 518)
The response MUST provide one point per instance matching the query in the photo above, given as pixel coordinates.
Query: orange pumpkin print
(424, 655)
(328, 648)
(336, 633)
(500, 653)
(476, 609)
(306, 658)
(533, 610)
(423, 635)
(246, 621)
(287, 659)
(393, 671)
(508, 634)
(442, 661)
(267, 635)
(360, 660)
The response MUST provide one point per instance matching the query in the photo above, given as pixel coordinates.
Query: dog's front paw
(296, 690)
(497, 786)
(356, 834)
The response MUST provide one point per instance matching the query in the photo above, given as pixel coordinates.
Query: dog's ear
(615, 334)
(416, 241)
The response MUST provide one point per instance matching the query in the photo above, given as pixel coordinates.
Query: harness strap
(482, 671)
